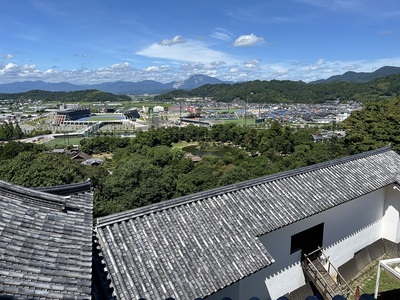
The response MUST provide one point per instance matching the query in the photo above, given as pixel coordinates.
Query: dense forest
(75, 96)
(148, 169)
(286, 91)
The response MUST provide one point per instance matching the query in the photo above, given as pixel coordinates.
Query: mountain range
(117, 87)
(361, 77)
(154, 87)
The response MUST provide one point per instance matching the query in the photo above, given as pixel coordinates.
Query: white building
(247, 240)
(340, 117)
(158, 109)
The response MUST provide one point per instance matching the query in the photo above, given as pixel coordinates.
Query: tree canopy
(10, 131)
(148, 169)
(74, 96)
(378, 124)
(286, 91)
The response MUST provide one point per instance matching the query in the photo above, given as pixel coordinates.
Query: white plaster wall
(348, 228)
(391, 219)
(352, 226)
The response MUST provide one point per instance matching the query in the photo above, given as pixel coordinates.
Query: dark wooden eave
(68, 189)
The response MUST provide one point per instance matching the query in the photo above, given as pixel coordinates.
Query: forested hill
(274, 91)
(75, 96)
(351, 76)
(287, 91)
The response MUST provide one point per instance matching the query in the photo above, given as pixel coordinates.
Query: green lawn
(249, 121)
(183, 144)
(386, 283)
(105, 118)
(67, 141)
(367, 281)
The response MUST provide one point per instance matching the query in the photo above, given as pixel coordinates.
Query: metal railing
(340, 282)
(319, 279)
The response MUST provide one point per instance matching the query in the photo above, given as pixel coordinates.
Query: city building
(71, 114)
(131, 114)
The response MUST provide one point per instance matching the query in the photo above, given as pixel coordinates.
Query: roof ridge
(152, 208)
(33, 196)
(68, 189)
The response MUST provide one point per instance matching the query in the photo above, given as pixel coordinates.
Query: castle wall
(348, 228)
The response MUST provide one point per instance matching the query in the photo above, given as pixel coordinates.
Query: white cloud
(352, 67)
(322, 69)
(221, 34)
(120, 66)
(218, 64)
(15, 70)
(318, 65)
(178, 39)
(152, 69)
(157, 69)
(8, 56)
(190, 51)
(247, 40)
(280, 72)
(10, 66)
(247, 70)
(211, 73)
(252, 64)
(50, 71)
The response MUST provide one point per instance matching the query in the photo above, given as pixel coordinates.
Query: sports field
(104, 117)
(64, 141)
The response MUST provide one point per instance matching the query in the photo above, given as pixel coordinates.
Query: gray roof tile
(45, 248)
(196, 245)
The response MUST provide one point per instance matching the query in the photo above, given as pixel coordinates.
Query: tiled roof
(68, 189)
(45, 244)
(196, 245)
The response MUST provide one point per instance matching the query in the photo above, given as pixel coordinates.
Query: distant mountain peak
(196, 81)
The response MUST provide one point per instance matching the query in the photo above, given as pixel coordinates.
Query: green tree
(233, 174)
(202, 177)
(377, 125)
(11, 149)
(18, 134)
(41, 170)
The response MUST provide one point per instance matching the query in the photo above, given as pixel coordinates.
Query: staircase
(321, 278)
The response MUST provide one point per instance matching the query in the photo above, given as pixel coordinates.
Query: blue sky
(94, 41)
